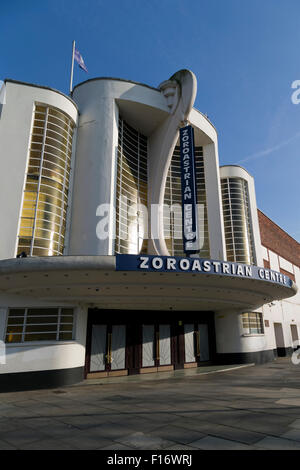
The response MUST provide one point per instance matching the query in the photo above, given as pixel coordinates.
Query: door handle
(197, 343)
(108, 355)
(157, 345)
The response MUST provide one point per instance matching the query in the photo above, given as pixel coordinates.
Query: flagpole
(72, 68)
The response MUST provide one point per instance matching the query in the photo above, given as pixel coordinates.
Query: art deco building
(94, 280)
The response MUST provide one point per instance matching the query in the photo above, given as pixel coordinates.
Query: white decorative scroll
(180, 93)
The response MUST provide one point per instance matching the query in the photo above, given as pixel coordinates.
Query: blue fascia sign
(199, 266)
(188, 191)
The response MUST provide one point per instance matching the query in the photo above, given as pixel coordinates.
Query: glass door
(164, 345)
(196, 344)
(189, 343)
(117, 347)
(149, 346)
(98, 348)
(108, 348)
(203, 342)
(156, 347)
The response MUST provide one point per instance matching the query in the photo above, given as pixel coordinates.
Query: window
(237, 220)
(39, 324)
(43, 218)
(172, 197)
(253, 323)
(131, 228)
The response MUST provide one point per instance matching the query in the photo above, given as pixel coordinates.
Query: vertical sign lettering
(189, 193)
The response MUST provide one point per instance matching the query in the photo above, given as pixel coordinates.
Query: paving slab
(180, 447)
(295, 424)
(47, 444)
(139, 440)
(112, 431)
(160, 417)
(22, 436)
(177, 434)
(38, 422)
(215, 443)
(86, 441)
(6, 446)
(82, 421)
(9, 424)
(293, 434)
(276, 443)
(230, 433)
(117, 446)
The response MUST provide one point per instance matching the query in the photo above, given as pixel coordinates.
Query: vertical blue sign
(189, 191)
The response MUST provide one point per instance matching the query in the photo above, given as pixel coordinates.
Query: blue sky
(244, 53)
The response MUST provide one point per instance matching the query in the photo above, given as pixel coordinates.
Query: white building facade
(94, 281)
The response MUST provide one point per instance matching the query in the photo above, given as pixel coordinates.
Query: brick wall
(277, 240)
(287, 273)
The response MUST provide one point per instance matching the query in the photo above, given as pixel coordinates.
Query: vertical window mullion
(245, 211)
(64, 196)
(58, 324)
(249, 225)
(119, 191)
(231, 220)
(40, 179)
(172, 219)
(73, 324)
(24, 326)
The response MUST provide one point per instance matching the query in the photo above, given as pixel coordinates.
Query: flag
(79, 60)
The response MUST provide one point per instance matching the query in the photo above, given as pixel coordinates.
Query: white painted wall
(48, 355)
(231, 337)
(285, 312)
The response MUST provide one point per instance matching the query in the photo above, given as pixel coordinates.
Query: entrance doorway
(196, 343)
(295, 338)
(108, 345)
(279, 338)
(123, 347)
(156, 347)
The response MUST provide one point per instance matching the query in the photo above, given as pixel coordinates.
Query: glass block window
(253, 323)
(39, 324)
(131, 223)
(172, 197)
(43, 217)
(237, 221)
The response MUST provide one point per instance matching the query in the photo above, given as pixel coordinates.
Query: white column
(95, 171)
(214, 201)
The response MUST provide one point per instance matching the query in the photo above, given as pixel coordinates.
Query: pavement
(245, 408)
